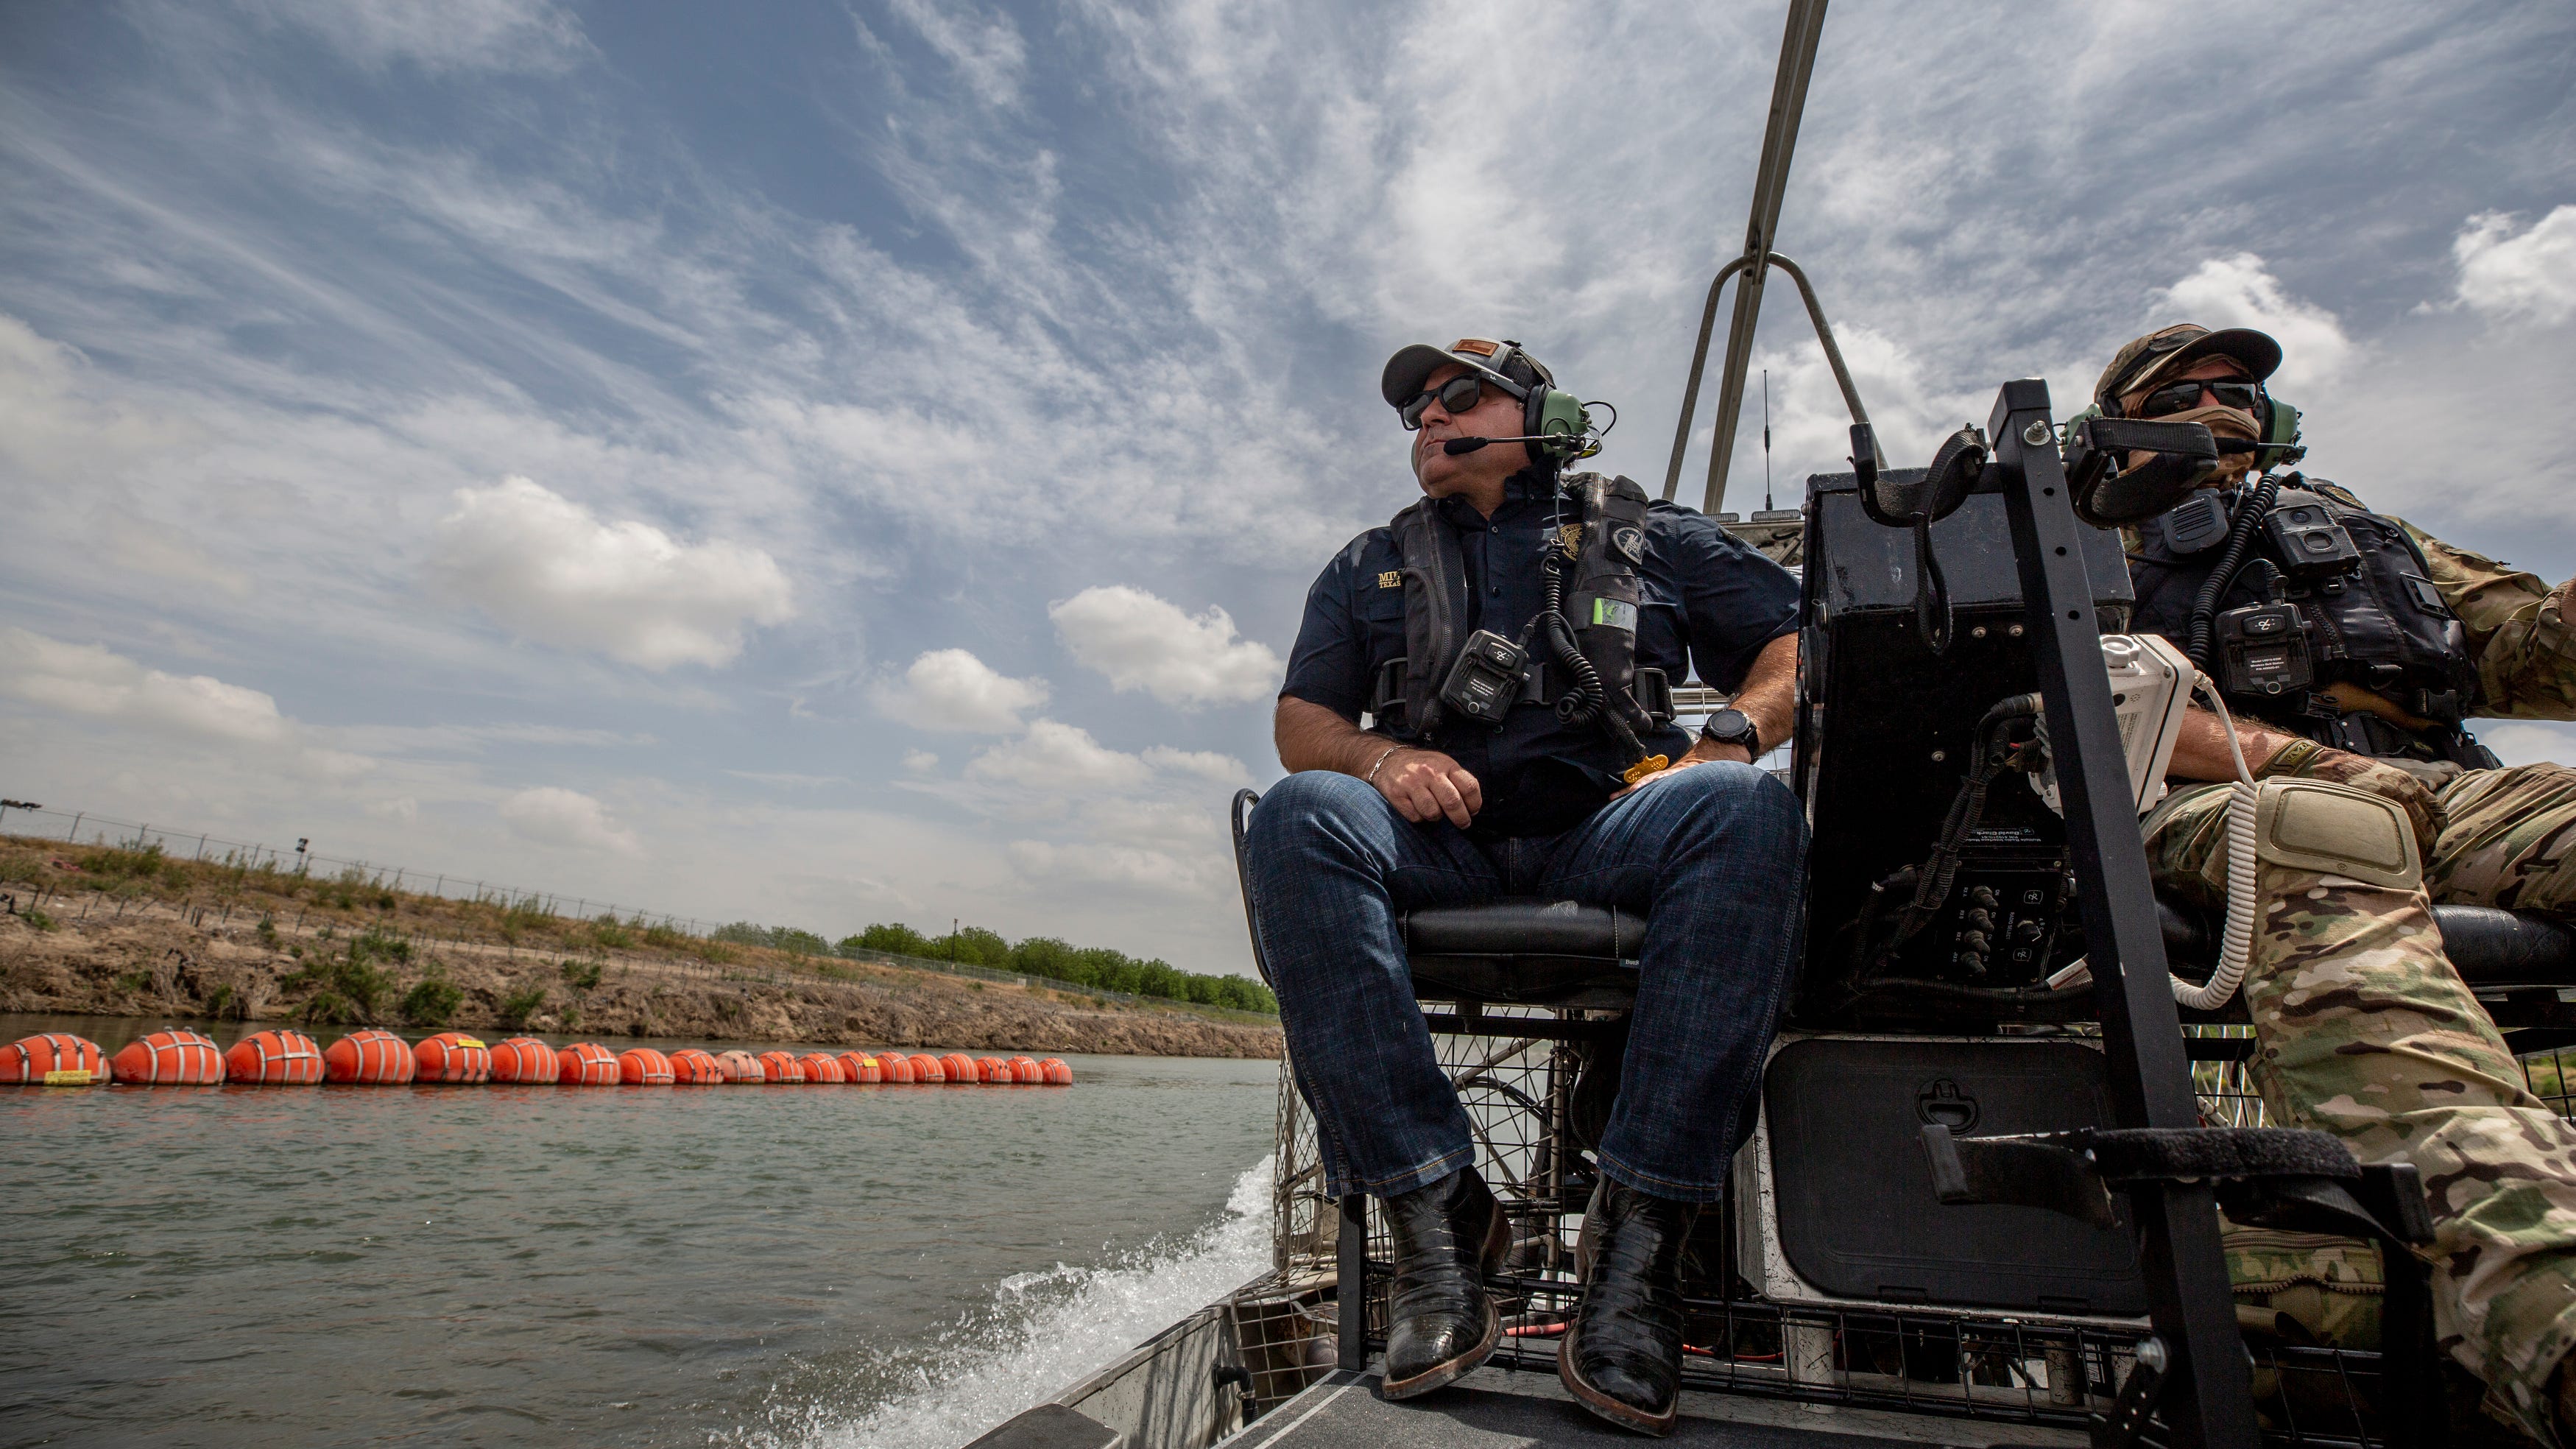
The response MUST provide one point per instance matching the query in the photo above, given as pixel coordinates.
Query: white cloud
(986, 49)
(438, 35)
(952, 690)
(1110, 865)
(919, 762)
(2527, 742)
(552, 815)
(2239, 291)
(89, 680)
(1206, 764)
(1144, 642)
(554, 571)
(2530, 275)
(1055, 758)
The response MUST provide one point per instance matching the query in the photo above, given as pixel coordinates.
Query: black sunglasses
(1458, 394)
(2175, 397)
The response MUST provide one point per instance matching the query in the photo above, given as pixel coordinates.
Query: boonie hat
(1502, 362)
(2151, 358)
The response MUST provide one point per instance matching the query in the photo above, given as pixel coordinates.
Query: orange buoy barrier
(781, 1068)
(371, 1057)
(452, 1056)
(897, 1068)
(169, 1058)
(959, 1067)
(1056, 1072)
(643, 1067)
(928, 1069)
(275, 1059)
(586, 1064)
(1026, 1073)
(993, 1071)
(525, 1059)
(55, 1059)
(741, 1066)
(824, 1067)
(860, 1068)
(696, 1067)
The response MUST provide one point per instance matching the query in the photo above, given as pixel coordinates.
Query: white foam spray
(1043, 1332)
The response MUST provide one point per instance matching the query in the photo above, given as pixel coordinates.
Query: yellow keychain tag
(72, 1077)
(1650, 765)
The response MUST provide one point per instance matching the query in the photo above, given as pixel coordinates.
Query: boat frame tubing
(2208, 1397)
(1699, 366)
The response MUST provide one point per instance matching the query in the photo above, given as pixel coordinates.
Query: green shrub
(518, 1006)
(221, 1004)
(268, 932)
(432, 1001)
(380, 944)
(327, 1008)
(799, 943)
(580, 975)
(668, 938)
(36, 918)
(354, 985)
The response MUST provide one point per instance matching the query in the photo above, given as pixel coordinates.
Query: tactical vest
(2374, 618)
(1607, 547)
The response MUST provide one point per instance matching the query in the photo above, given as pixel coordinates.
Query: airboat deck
(1497, 1408)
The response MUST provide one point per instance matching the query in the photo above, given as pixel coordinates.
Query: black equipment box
(1885, 732)
(1857, 1216)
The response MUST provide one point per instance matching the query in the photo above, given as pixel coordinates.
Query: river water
(775, 1266)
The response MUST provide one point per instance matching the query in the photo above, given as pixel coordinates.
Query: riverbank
(106, 934)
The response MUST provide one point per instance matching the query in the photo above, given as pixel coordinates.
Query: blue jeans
(1713, 857)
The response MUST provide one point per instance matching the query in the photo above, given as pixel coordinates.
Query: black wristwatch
(1732, 727)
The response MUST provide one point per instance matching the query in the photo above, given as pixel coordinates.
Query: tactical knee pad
(2311, 825)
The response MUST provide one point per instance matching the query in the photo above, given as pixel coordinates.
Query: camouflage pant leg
(2510, 840)
(2364, 1030)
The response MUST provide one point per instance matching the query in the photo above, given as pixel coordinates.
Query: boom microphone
(1456, 446)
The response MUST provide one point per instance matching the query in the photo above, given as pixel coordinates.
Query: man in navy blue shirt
(1376, 821)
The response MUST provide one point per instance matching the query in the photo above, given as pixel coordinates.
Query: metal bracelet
(1371, 777)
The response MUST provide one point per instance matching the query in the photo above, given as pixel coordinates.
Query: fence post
(73, 834)
(201, 847)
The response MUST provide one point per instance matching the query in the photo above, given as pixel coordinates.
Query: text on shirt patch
(1391, 579)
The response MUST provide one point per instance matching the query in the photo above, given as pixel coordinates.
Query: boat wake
(1042, 1332)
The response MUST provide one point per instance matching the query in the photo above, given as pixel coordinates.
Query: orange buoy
(823, 1067)
(928, 1069)
(1057, 1073)
(643, 1067)
(959, 1067)
(696, 1067)
(452, 1056)
(275, 1059)
(860, 1068)
(993, 1071)
(525, 1059)
(741, 1066)
(371, 1057)
(169, 1058)
(586, 1064)
(781, 1068)
(897, 1068)
(1026, 1073)
(55, 1059)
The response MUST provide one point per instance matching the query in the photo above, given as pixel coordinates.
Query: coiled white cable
(2236, 946)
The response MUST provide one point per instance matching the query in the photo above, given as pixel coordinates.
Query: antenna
(1766, 440)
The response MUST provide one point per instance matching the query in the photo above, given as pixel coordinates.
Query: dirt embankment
(126, 953)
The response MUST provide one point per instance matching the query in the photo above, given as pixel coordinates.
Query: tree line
(1046, 956)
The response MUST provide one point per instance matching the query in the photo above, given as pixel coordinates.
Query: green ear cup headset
(1547, 410)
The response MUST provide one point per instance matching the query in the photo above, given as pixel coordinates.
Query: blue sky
(831, 463)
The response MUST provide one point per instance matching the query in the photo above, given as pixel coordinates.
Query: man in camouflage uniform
(2363, 1028)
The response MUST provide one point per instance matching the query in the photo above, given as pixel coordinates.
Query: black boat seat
(1525, 952)
(2515, 962)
